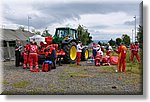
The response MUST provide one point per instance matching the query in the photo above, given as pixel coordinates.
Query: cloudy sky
(105, 19)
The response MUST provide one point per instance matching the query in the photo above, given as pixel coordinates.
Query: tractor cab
(65, 35)
(66, 32)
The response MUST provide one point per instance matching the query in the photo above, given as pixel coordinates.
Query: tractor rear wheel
(71, 53)
(85, 54)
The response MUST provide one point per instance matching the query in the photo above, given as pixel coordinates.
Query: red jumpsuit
(50, 54)
(98, 58)
(109, 51)
(33, 56)
(134, 52)
(79, 50)
(121, 58)
(25, 57)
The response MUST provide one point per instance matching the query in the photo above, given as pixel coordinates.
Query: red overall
(108, 53)
(121, 58)
(79, 51)
(78, 57)
(134, 52)
(33, 56)
(98, 58)
(49, 50)
(25, 57)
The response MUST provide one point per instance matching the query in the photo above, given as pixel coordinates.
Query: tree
(140, 36)
(126, 39)
(118, 41)
(46, 33)
(99, 43)
(36, 32)
(84, 35)
(112, 42)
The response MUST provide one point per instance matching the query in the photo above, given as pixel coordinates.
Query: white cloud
(108, 19)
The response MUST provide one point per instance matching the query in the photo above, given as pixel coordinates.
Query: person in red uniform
(134, 51)
(99, 55)
(26, 55)
(79, 51)
(33, 55)
(50, 54)
(109, 50)
(121, 57)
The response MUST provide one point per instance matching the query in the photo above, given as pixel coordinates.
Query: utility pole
(28, 22)
(132, 35)
(135, 28)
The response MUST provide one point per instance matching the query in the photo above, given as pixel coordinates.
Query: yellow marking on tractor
(73, 53)
(86, 54)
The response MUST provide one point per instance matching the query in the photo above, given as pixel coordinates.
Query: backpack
(46, 66)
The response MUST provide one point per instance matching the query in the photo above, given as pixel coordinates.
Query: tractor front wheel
(71, 52)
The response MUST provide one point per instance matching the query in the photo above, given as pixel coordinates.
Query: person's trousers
(78, 57)
(121, 64)
(33, 60)
(18, 58)
(25, 60)
(134, 54)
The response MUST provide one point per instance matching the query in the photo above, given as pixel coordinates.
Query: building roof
(11, 35)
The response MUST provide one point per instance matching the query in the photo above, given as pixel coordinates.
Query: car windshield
(62, 33)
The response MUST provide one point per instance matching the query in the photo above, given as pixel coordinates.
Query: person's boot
(24, 66)
(31, 68)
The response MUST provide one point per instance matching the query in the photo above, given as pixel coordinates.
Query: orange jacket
(122, 51)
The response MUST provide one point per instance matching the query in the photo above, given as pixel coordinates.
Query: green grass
(134, 68)
(21, 84)
(54, 89)
(5, 82)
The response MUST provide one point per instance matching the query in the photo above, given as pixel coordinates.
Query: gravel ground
(71, 79)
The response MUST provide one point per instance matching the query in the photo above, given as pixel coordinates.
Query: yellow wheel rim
(73, 53)
(86, 54)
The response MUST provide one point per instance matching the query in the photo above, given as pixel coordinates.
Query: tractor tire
(85, 54)
(71, 53)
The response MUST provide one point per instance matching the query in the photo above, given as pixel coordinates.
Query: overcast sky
(105, 19)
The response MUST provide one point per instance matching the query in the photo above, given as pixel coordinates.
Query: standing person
(132, 48)
(137, 50)
(18, 49)
(134, 51)
(108, 50)
(26, 55)
(121, 57)
(94, 50)
(33, 55)
(79, 51)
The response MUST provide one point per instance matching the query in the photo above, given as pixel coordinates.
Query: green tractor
(67, 40)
